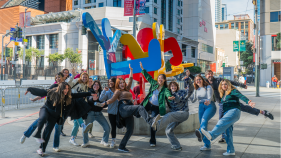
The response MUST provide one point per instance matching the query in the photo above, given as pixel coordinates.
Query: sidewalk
(254, 137)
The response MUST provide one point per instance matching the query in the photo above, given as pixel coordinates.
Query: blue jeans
(274, 84)
(97, 116)
(205, 114)
(226, 124)
(33, 127)
(77, 123)
(220, 116)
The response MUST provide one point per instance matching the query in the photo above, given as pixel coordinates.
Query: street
(254, 136)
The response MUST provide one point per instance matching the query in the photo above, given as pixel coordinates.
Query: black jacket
(91, 102)
(215, 86)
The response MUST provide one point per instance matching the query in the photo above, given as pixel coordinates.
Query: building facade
(270, 51)
(218, 11)
(224, 12)
(242, 23)
(221, 60)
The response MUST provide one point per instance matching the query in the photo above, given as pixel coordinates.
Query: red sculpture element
(171, 44)
(144, 36)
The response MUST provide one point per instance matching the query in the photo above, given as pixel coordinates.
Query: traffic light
(14, 34)
(19, 32)
(16, 57)
(7, 52)
(84, 30)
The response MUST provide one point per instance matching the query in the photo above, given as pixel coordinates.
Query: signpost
(235, 46)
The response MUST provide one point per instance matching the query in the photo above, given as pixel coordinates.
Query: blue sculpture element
(151, 63)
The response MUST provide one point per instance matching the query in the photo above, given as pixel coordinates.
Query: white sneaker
(156, 119)
(87, 128)
(152, 145)
(56, 149)
(91, 135)
(228, 154)
(104, 143)
(22, 139)
(85, 145)
(112, 145)
(40, 152)
(204, 148)
(206, 134)
(40, 140)
(72, 141)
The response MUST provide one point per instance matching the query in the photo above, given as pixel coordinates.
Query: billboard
(129, 7)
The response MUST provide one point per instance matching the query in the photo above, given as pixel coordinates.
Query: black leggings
(112, 120)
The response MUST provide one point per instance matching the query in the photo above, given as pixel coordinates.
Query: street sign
(223, 65)
(254, 69)
(12, 39)
(16, 43)
(25, 40)
(12, 29)
(235, 46)
(19, 39)
(242, 45)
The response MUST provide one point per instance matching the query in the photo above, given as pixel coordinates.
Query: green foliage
(247, 56)
(278, 45)
(73, 57)
(30, 53)
(194, 69)
(56, 57)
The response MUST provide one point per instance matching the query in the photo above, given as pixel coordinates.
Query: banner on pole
(235, 46)
(129, 7)
(140, 7)
(92, 64)
(21, 19)
(28, 18)
(243, 45)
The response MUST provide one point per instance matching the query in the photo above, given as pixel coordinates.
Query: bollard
(3, 106)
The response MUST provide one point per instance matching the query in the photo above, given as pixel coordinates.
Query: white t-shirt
(154, 97)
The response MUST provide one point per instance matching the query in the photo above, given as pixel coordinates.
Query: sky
(235, 7)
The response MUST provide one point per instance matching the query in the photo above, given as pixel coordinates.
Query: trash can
(267, 84)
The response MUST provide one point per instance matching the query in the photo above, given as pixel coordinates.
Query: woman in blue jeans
(231, 107)
(203, 92)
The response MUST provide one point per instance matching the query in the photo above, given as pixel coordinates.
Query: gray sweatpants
(171, 120)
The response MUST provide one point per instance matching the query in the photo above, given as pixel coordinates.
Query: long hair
(165, 78)
(118, 82)
(81, 76)
(205, 83)
(57, 95)
(60, 74)
(113, 79)
(229, 89)
(97, 81)
(65, 70)
(173, 83)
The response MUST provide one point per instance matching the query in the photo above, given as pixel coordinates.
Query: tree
(31, 54)
(55, 58)
(278, 38)
(247, 57)
(74, 57)
(194, 69)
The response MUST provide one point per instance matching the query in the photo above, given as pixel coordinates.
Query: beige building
(221, 59)
(224, 40)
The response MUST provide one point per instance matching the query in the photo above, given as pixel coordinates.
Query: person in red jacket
(274, 80)
(136, 89)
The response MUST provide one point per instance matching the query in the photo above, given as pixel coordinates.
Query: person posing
(56, 108)
(231, 107)
(207, 109)
(179, 112)
(77, 86)
(136, 89)
(214, 82)
(127, 110)
(187, 79)
(90, 89)
(274, 80)
(106, 94)
(59, 79)
(155, 99)
(95, 114)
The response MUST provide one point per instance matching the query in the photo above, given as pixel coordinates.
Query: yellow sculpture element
(176, 70)
(133, 45)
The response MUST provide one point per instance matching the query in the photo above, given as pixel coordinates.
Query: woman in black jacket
(57, 107)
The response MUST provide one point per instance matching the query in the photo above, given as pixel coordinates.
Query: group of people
(82, 99)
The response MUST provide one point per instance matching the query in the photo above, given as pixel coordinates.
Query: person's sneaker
(85, 145)
(268, 114)
(62, 134)
(222, 140)
(87, 128)
(204, 148)
(206, 134)
(178, 149)
(40, 140)
(198, 135)
(56, 149)
(152, 145)
(91, 135)
(228, 154)
(22, 139)
(124, 150)
(72, 141)
(112, 145)
(40, 152)
(154, 124)
(104, 143)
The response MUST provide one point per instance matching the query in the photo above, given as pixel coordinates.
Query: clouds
(235, 7)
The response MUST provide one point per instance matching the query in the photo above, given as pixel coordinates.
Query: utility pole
(134, 22)
(23, 56)
(257, 56)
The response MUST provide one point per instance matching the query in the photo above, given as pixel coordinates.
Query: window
(242, 32)
(163, 12)
(242, 25)
(75, 2)
(155, 20)
(178, 30)
(236, 25)
(207, 48)
(54, 41)
(275, 16)
(87, 8)
(170, 3)
(94, 6)
(193, 52)
(232, 25)
(179, 22)
(87, 1)
(147, 0)
(225, 26)
(155, 1)
(246, 25)
(217, 26)
(179, 3)
(181, 27)
(100, 4)
(155, 10)
(179, 12)
(40, 62)
(181, 19)
(29, 42)
(221, 27)
(183, 49)
(275, 46)
(146, 9)
(40, 42)
(116, 3)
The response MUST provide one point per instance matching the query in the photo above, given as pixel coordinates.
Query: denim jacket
(112, 108)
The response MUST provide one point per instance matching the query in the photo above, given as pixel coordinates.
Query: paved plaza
(254, 136)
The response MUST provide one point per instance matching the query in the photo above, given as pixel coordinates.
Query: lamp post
(134, 17)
